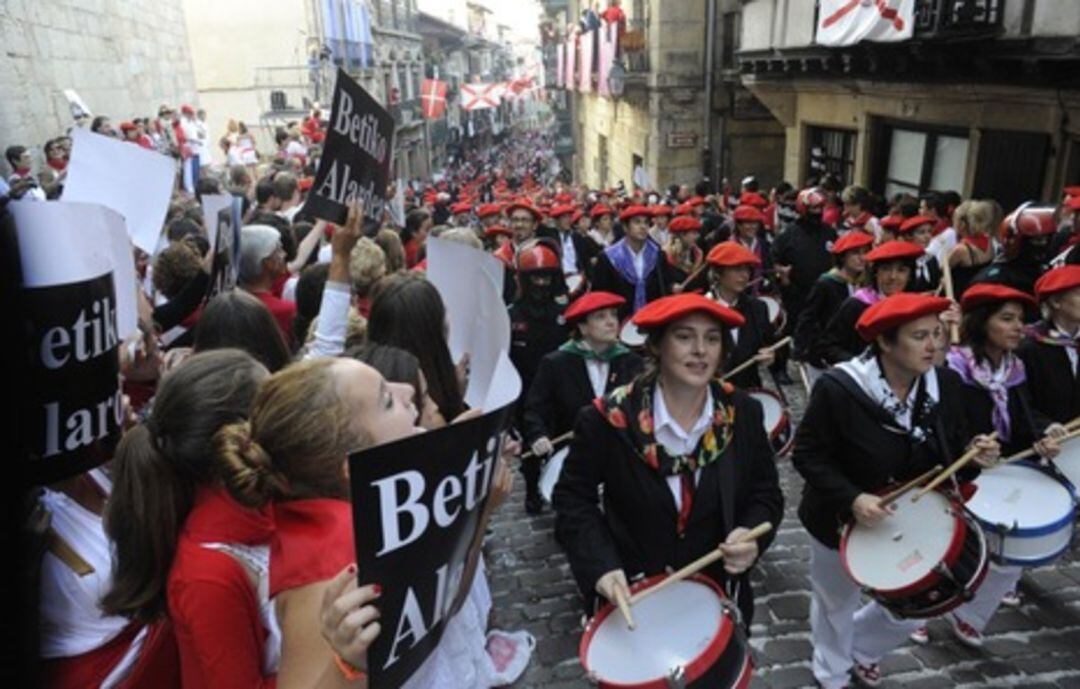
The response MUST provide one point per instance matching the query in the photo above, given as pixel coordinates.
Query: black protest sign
(225, 269)
(417, 508)
(356, 156)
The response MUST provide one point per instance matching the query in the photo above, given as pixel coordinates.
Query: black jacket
(658, 283)
(561, 388)
(755, 333)
(806, 249)
(535, 330)
(928, 283)
(1026, 424)
(585, 249)
(824, 300)
(846, 445)
(1055, 389)
(636, 529)
(839, 341)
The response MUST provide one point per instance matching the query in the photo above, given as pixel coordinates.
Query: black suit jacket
(658, 283)
(637, 528)
(1055, 389)
(825, 298)
(561, 388)
(755, 333)
(839, 341)
(586, 250)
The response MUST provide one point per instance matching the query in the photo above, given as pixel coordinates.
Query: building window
(830, 151)
(730, 40)
(923, 159)
(403, 83)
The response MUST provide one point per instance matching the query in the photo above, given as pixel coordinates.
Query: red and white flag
(571, 73)
(433, 99)
(560, 66)
(847, 22)
(480, 96)
(585, 78)
(609, 44)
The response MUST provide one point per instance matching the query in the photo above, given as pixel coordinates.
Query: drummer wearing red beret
(592, 363)
(919, 230)
(730, 266)
(661, 218)
(884, 417)
(461, 213)
(634, 267)
(750, 232)
(578, 251)
(827, 295)
(603, 225)
(1068, 233)
(683, 460)
(996, 398)
(891, 266)
(1050, 348)
(682, 250)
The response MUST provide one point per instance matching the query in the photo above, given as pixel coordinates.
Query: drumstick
(895, 495)
(1024, 454)
(701, 563)
(753, 360)
(953, 468)
(805, 378)
(946, 280)
(693, 276)
(624, 607)
(569, 435)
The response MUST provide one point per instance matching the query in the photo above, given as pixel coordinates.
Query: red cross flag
(480, 96)
(847, 22)
(433, 99)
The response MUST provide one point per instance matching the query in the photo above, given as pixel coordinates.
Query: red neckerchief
(942, 225)
(979, 241)
(58, 164)
(312, 541)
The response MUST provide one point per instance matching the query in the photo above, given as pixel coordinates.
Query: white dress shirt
(677, 440)
(569, 254)
(598, 374)
(639, 261)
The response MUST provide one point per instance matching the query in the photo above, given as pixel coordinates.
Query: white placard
(134, 182)
(212, 204)
(470, 283)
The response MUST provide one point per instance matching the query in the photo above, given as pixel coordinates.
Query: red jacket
(284, 313)
(313, 541)
(213, 606)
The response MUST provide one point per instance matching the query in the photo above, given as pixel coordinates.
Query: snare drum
(631, 336)
(776, 419)
(1027, 514)
(777, 314)
(550, 475)
(1068, 464)
(925, 559)
(687, 635)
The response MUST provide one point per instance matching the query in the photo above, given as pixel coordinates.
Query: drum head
(772, 406)
(675, 626)
(1068, 462)
(904, 547)
(550, 476)
(1021, 495)
(631, 336)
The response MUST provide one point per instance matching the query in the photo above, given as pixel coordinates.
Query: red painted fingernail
(352, 569)
(378, 589)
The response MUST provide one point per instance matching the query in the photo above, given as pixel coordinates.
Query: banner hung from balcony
(847, 22)
(481, 96)
(433, 99)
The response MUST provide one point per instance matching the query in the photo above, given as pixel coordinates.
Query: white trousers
(1000, 579)
(843, 630)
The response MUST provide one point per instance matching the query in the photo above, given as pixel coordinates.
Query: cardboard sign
(417, 508)
(225, 243)
(356, 158)
(78, 297)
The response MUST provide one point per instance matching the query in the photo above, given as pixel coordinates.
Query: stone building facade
(124, 58)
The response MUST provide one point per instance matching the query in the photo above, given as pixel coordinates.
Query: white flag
(847, 22)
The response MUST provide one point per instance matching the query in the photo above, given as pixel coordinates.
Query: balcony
(634, 46)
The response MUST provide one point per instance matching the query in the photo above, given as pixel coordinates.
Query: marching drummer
(891, 266)
(995, 398)
(578, 251)
(592, 363)
(682, 251)
(1049, 350)
(683, 460)
(730, 266)
(884, 417)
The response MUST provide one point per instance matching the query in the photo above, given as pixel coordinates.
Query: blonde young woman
(973, 221)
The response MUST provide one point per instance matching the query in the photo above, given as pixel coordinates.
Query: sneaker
(1012, 599)
(533, 504)
(867, 675)
(965, 633)
(920, 636)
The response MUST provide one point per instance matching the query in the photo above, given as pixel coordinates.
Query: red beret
(695, 201)
(684, 209)
(752, 198)
(900, 308)
(589, 302)
(486, 210)
(564, 198)
(895, 251)
(892, 222)
(635, 212)
(305, 183)
(187, 109)
(988, 293)
(911, 224)
(1073, 202)
(461, 207)
(1072, 191)
(662, 209)
(665, 310)
(599, 210)
(685, 223)
(748, 214)
(1057, 280)
(128, 126)
(497, 229)
(525, 206)
(559, 211)
(851, 240)
(731, 253)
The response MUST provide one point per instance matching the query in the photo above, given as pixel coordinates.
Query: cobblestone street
(1035, 645)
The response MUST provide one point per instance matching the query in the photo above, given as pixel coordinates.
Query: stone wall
(123, 57)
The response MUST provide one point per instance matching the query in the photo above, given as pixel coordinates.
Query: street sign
(682, 140)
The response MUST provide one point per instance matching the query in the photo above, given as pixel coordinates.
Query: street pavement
(1034, 646)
